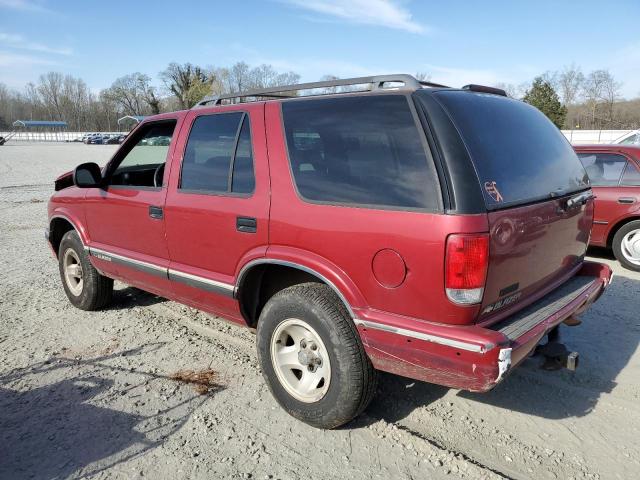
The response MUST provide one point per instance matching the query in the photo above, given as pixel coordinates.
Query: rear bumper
(471, 357)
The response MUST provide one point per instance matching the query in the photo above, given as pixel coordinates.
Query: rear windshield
(519, 155)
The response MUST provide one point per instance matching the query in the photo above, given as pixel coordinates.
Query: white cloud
(383, 13)
(457, 77)
(24, 5)
(18, 41)
(16, 70)
(13, 60)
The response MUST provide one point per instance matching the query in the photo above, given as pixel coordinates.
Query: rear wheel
(312, 358)
(626, 245)
(84, 286)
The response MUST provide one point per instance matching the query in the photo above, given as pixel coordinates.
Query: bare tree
(510, 88)
(329, 78)
(513, 90)
(570, 81)
(50, 90)
(552, 78)
(600, 89)
(134, 95)
(189, 83)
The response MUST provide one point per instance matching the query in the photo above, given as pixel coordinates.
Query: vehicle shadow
(396, 398)
(127, 297)
(600, 252)
(606, 340)
(83, 423)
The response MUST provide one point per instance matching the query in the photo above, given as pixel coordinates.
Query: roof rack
(378, 82)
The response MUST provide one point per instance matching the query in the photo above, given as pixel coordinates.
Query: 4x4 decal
(492, 190)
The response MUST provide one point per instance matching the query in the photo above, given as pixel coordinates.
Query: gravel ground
(91, 395)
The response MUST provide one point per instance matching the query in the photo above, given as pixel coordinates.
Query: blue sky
(457, 42)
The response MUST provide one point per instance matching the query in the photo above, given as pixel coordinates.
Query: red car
(614, 171)
(431, 232)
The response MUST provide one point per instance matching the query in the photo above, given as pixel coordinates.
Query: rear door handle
(246, 224)
(155, 212)
(626, 200)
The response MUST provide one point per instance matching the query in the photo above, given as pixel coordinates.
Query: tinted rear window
(363, 150)
(519, 155)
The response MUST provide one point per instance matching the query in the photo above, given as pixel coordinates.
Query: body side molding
(471, 347)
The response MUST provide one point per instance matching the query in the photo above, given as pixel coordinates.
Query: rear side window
(631, 175)
(518, 154)
(604, 169)
(218, 157)
(363, 150)
(243, 180)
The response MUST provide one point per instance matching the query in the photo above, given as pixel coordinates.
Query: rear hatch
(535, 190)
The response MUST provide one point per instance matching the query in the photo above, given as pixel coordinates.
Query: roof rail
(288, 91)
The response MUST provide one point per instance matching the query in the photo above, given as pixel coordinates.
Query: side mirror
(87, 175)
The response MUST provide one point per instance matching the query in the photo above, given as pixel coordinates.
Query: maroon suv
(614, 171)
(432, 232)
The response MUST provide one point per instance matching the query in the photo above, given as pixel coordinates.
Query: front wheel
(85, 287)
(626, 245)
(312, 358)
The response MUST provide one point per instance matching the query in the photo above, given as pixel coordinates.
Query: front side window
(218, 156)
(143, 163)
(362, 150)
(604, 169)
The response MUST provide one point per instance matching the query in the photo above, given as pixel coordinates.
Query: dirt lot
(92, 394)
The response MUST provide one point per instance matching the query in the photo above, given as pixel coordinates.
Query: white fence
(585, 137)
(27, 136)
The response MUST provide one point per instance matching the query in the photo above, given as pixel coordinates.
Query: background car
(614, 171)
(631, 138)
(88, 137)
(114, 140)
(95, 139)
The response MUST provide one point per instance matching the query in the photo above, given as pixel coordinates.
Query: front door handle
(627, 200)
(155, 212)
(246, 224)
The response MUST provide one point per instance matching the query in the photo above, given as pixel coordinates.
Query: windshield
(518, 154)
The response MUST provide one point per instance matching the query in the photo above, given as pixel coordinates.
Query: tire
(344, 378)
(84, 286)
(626, 245)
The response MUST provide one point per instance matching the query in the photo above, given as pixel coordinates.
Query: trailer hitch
(557, 356)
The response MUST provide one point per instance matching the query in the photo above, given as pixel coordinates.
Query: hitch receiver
(556, 356)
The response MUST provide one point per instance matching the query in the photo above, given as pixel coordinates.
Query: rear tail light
(466, 263)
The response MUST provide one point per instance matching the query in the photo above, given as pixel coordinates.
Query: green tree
(542, 96)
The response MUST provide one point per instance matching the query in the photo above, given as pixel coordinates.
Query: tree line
(570, 98)
(56, 96)
(574, 100)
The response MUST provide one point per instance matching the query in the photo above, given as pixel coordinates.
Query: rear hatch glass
(518, 154)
